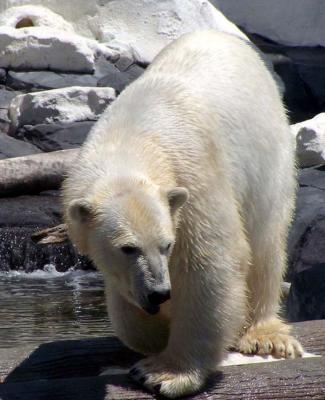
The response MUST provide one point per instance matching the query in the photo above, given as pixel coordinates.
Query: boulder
(52, 137)
(11, 147)
(310, 141)
(4, 121)
(66, 105)
(44, 48)
(30, 16)
(306, 243)
(118, 79)
(302, 72)
(3, 75)
(34, 173)
(138, 28)
(298, 97)
(35, 80)
(306, 299)
(290, 22)
(306, 247)
(148, 26)
(5, 99)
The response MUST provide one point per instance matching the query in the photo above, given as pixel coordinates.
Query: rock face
(307, 248)
(65, 105)
(310, 141)
(22, 216)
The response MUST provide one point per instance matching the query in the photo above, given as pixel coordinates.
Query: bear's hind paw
(280, 345)
(154, 374)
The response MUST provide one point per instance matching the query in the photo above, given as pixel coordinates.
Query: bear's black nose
(159, 296)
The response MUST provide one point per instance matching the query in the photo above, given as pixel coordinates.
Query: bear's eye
(130, 250)
(166, 248)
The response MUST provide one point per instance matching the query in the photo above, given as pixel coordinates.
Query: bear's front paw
(159, 376)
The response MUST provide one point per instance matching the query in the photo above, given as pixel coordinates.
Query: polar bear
(182, 196)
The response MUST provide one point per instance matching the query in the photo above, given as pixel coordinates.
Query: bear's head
(130, 236)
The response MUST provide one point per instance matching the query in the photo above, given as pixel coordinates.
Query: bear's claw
(279, 345)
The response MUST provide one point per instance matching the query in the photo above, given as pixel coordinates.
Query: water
(48, 305)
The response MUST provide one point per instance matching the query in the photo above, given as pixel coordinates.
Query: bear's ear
(80, 211)
(177, 197)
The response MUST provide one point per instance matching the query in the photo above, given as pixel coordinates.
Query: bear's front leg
(207, 309)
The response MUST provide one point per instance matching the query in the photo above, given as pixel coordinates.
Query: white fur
(206, 116)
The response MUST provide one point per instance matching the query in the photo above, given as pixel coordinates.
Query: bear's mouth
(152, 309)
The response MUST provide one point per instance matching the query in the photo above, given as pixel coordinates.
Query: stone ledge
(70, 369)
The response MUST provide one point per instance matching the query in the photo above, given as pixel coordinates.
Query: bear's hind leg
(266, 333)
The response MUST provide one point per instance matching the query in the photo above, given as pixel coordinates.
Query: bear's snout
(156, 297)
(159, 296)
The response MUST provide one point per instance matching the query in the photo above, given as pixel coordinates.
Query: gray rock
(114, 78)
(119, 80)
(30, 211)
(306, 247)
(302, 96)
(24, 16)
(313, 76)
(291, 22)
(145, 27)
(6, 97)
(3, 75)
(51, 137)
(134, 71)
(306, 240)
(104, 67)
(64, 105)
(4, 121)
(298, 99)
(50, 49)
(35, 80)
(309, 62)
(20, 217)
(11, 147)
(35, 173)
(124, 63)
(312, 177)
(306, 299)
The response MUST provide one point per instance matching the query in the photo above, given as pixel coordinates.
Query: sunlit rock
(65, 105)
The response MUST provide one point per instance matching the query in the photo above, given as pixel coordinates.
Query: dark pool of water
(46, 305)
